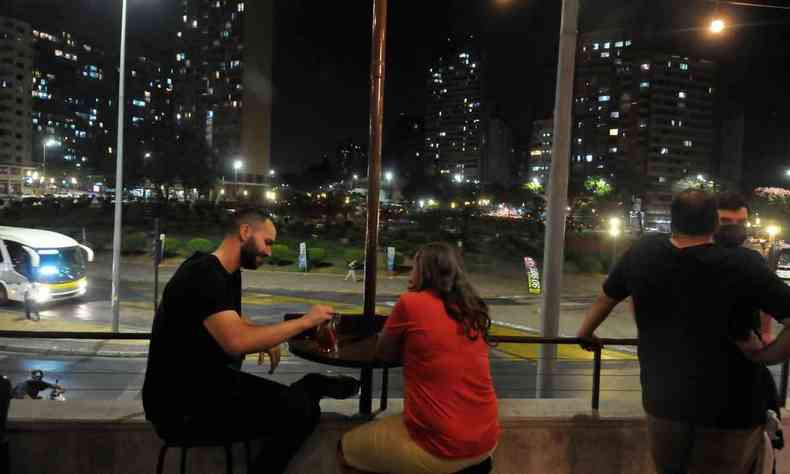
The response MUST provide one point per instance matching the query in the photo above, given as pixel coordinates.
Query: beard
(249, 255)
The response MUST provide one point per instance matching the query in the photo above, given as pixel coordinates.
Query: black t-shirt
(187, 368)
(687, 302)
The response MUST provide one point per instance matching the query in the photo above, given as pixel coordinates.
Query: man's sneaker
(335, 386)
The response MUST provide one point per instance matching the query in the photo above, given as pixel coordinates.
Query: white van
(41, 266)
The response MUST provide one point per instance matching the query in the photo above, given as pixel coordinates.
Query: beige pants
(682, 448)
(385, 445)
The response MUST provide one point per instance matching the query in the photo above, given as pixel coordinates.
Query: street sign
(391, 259)
(303, 257)
(533, 276)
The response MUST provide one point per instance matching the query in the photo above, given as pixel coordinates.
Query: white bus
(41, 266)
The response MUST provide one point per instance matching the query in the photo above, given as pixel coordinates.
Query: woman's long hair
(438, 266)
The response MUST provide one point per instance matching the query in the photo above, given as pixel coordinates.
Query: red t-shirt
(450, 407)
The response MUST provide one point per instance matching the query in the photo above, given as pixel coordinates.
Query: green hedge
(281, 255)
(134, 243)
(201, 245)
(315, 256)
(172, 247)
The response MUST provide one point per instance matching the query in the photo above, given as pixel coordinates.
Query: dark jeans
(254, 408)
(683, 448)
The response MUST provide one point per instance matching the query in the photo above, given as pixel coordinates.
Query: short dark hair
(732, 201)
(694, 212)
(248, 215)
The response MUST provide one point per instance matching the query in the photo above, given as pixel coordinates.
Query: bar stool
(186, 445)
(482, 468)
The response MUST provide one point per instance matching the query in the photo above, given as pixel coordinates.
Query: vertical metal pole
(116, 237)
(783, 384)
(157, 234)
(596, 395)
(377, 69)
(557, 196)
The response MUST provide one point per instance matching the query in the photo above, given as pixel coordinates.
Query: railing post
(783, 383)
(596, 395)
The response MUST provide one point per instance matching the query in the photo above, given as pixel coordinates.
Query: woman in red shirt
(440, 330)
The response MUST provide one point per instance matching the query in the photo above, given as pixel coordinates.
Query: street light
(237, 165)
(49, 142)
(717, 25)
(615, 229)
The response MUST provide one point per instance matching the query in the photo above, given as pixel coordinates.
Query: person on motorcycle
(31, 388)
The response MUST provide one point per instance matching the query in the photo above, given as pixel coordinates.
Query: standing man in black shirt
(200, 336)
(687, 292)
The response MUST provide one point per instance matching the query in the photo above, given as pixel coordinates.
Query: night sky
(322, 51)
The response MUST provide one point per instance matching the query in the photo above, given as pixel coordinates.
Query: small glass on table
(326, 334)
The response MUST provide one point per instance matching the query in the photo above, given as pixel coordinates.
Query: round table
(356, 351)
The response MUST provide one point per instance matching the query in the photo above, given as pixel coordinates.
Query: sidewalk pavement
(510, 305)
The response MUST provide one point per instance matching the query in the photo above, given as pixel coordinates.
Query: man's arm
(596, 314)
(238, 337)
(776, 352)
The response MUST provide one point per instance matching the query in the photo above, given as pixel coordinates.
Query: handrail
(597, 361)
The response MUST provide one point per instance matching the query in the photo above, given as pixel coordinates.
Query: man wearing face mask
(733, 215)
(199, 337)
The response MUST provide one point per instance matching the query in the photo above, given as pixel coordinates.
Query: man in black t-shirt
(199, 335)
(688, 293)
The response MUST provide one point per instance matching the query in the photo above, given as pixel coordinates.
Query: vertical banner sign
(533, 277)
(391, 259)
(303, 257)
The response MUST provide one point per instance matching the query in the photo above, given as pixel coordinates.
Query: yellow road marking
(564, 351)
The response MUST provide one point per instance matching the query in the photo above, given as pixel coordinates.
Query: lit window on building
(684, 67)
(241, 7)
(607, 45)
(662, 179)
(643, 123)
(604, 98)
(664, 151)
(615, 114)
(138, 103)
(618, 44)
(687, 143)
(645, 66)
(184, 18)
(579, 141)
(589, 158)
(613, 132)
(194, 23)
(644, 84)
(682, 94)
(628, 43)
(58, 53)
(605, 54)
(613, 149)
(596, 46)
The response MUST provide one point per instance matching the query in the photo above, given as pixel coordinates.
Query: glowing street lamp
(773, 230)
(717, 26)
(615, 229)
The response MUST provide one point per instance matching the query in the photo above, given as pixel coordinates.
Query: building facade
(223, 83)
(498, 153)
(642, 119)
(72, 92)
(454, 118)
(538, 165)
(16, 62)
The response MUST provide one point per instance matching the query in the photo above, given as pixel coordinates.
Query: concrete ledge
(112, 437)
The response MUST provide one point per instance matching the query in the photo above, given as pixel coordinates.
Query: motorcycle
(32, 387)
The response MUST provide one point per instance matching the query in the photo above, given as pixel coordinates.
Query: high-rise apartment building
(538, 165)
(455, 123)
(224, 82)
(16, 61)
(642, 119)
(72, 91)
(498, 153)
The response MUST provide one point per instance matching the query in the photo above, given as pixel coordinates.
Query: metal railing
(597, 352)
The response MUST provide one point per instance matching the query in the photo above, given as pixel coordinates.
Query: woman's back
(450, 404)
